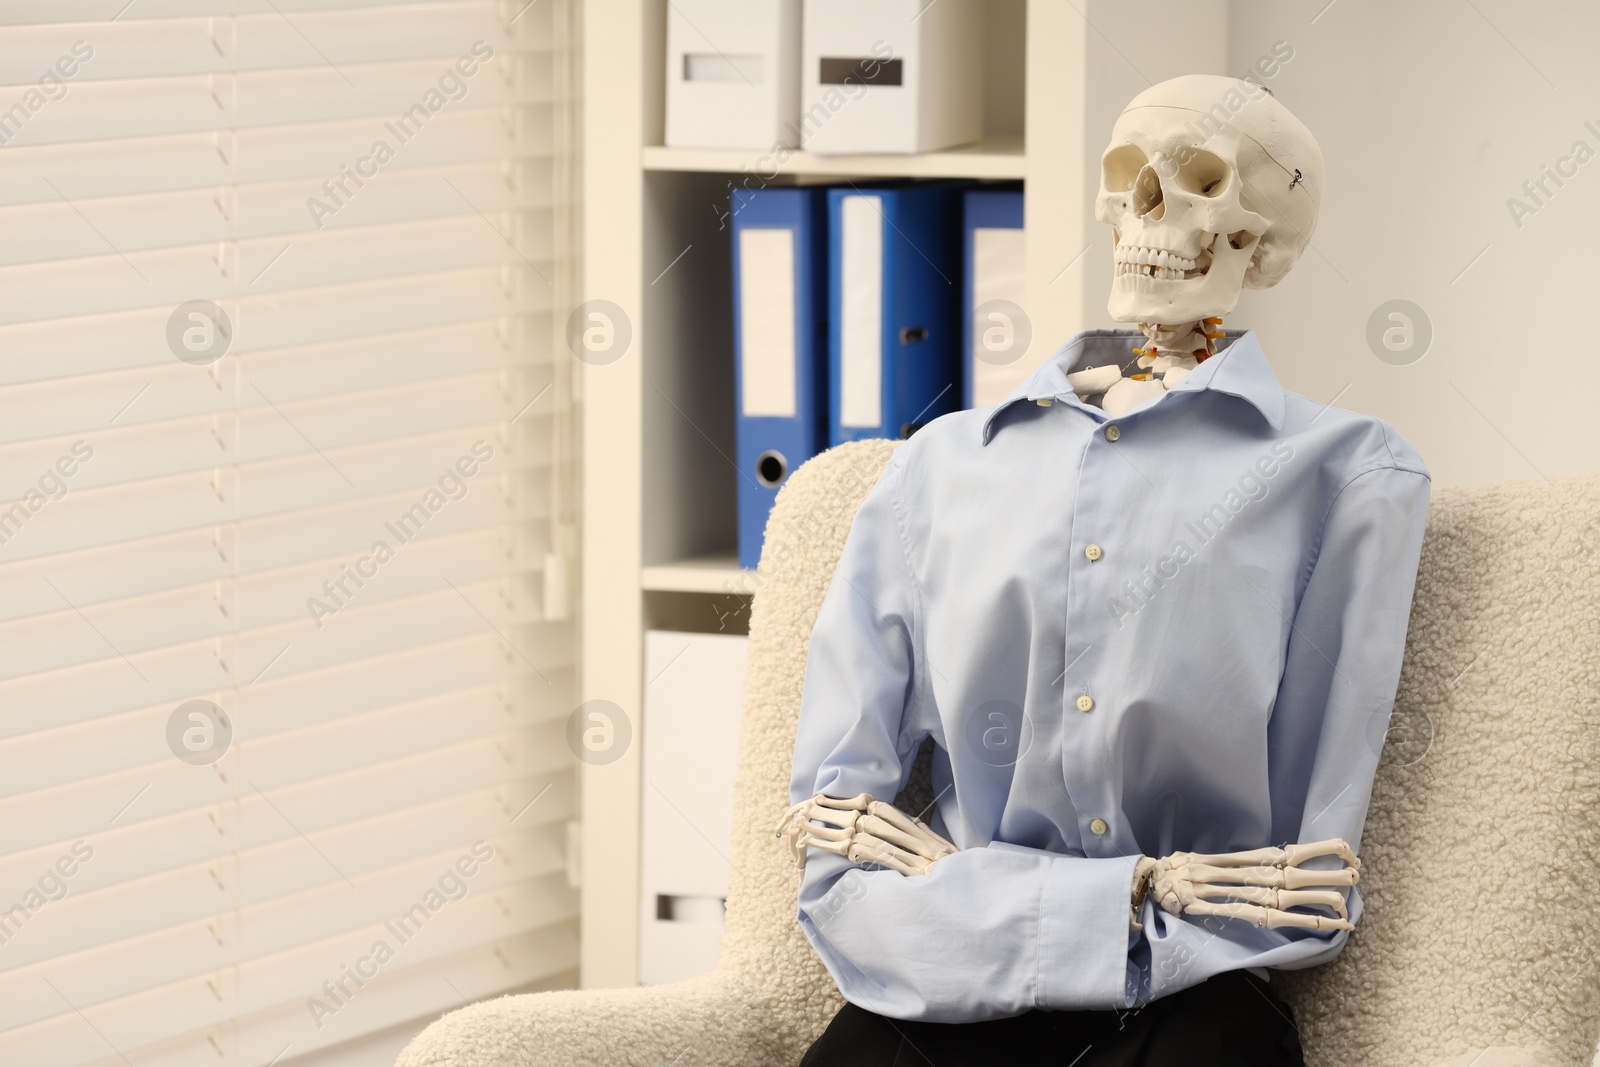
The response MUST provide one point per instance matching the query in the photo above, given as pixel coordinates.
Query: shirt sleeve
(1341, 671)
(991, 931)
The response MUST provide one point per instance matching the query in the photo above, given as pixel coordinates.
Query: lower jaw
(1138, 298)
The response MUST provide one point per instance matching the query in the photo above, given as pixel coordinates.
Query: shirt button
(1099, 827)
(1093, 552)
(1086, 703)
(1044, 401)
(1112, 432)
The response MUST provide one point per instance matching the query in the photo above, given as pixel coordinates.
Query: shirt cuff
(1083, 933)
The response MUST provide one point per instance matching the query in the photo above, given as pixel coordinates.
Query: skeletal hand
(863, 830)
(1258, 886)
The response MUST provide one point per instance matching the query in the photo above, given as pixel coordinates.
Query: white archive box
(694, 697)
(891, 75)
(733, 77)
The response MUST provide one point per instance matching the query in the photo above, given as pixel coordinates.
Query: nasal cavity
(1147, 202)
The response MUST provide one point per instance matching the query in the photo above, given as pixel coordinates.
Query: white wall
(1430, 116)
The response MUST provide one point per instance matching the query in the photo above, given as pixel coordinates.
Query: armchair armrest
(706, 1021)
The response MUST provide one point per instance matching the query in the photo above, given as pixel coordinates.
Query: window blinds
(285, 474)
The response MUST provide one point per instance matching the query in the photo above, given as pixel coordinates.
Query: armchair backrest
(1481, 853)
(762, 945)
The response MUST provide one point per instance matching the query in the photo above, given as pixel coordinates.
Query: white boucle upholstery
(1480, 861)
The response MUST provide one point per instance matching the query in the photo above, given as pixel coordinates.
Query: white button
(1044, 401)
(1086, 703)
(1093, 552)
(1112, 432)
(1099, 827)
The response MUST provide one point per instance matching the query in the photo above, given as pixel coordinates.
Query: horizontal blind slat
(209, 159)
(339, 41)
(122, 571)
(166, 278)
(71, 355)
(394, 577)
(81, 920)
(125, 753)
(200, 421)
(356, 631)
(474, 775)
(426, 427)
(259, 986)
(43, 701)
(211, 500)
(545, 958)
(69, 12)
(120, 964)
(52, 228)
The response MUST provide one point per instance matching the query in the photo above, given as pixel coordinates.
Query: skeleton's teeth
(1158, 258)
(1147, 270)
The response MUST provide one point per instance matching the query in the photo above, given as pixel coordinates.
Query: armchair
(1480, 861)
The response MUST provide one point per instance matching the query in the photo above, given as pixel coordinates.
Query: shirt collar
(1239, 369)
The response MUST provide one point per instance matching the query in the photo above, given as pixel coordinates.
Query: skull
(1209, 184)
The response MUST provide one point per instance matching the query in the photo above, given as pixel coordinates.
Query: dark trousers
(1230, 1020)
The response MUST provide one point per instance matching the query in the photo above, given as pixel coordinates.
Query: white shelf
(994, 158)
(715, 572)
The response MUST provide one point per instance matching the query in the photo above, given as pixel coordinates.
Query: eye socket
(1120, 166)
(1202, 173)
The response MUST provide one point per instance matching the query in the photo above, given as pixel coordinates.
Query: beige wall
(1429, 120)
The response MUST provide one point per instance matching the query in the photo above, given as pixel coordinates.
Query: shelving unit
(713, 572)
(659, 480)
(997, 157)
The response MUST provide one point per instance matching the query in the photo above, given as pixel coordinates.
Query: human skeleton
(1209, 185)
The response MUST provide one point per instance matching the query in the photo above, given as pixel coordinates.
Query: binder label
(999, 274)
(766, 322)
(861, 311)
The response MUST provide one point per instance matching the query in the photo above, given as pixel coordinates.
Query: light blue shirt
(1225, 573)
